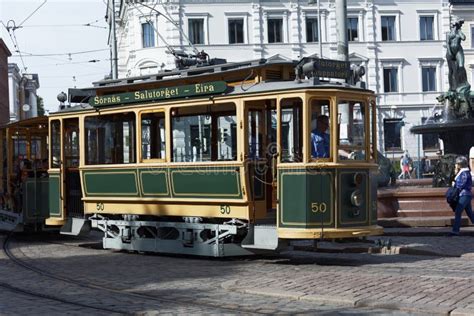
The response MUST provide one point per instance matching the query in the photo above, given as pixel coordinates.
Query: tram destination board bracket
(192, 90)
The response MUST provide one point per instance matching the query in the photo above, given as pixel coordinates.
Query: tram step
(261, 237)
(76, 227)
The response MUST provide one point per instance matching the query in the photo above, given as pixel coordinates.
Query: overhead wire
(11, 33)
(148, 20)
(29, 16)
(65, 54)
(196, 51)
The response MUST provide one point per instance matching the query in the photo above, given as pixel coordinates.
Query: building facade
(401, 43)
(23, 94)
(4, 104)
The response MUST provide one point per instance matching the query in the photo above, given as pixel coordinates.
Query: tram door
(72, 182)
(261, 153)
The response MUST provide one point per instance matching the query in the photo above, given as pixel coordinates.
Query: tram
(214, 160)
(24, 177)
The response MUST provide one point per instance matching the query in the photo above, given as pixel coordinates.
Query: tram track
(16, 289)
(113, 291)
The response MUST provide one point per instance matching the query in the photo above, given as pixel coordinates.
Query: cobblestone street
(57, 276)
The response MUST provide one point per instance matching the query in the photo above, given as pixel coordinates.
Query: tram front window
(352, 130)
(320, 129)
(291, 130)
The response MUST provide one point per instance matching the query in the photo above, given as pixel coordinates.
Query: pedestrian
(463, 182)
(405, 163)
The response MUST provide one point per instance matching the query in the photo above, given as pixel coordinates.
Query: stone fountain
(425, 205)
(456, 126)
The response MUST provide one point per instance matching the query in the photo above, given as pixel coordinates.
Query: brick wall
(4, 104)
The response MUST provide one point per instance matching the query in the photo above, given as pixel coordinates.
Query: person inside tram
(320, 138)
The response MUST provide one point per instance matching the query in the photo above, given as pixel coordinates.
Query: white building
(400, 42)
(22, 94)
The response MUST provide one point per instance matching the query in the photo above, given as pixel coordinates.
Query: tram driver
(320, 138)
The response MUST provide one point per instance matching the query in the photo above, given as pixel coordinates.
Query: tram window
(320, 129)
(291, 130)
(55, 144)
(227, 140)
(110, 139)
(71, 144)
(153, 136)
(19, 147)
(202, 135)
(255, 134)
(352, 130)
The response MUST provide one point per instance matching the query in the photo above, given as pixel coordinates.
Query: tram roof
(196, 75)
(27, 123)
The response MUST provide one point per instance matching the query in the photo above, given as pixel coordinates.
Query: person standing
(463, 182)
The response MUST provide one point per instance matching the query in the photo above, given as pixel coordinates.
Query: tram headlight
(358, 179)
(356, 198)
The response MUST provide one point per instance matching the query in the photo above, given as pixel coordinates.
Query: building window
(392, 134)
(428, 75)
(352, 29)
(236, 31)
(388, 28)
(426, 28)
(148, 35)
(275, 30)
(390, 79)
(312, 30)
(196, 31)
(430, 140)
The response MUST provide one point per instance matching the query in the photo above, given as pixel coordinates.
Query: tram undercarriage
(231, 238)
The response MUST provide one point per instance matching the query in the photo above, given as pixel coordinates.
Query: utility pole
(341, 30)
(320, 40)
(114, 42)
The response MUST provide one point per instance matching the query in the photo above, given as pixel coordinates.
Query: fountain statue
(459, 93)
(457, 125)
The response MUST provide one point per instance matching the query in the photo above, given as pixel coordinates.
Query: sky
(57, 29)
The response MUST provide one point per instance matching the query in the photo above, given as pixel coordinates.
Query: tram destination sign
(329, 68)
(192, 90)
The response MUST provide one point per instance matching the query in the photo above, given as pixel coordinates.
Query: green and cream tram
(215, 160)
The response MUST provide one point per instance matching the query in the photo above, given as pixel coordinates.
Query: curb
(348, 302)
(394, 250)
(462, 312)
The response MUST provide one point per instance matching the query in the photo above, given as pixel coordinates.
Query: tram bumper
(76, 227)
(329, 233)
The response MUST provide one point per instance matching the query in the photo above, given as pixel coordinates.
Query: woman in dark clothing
(462, 181)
